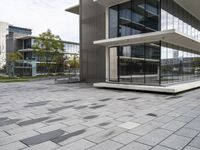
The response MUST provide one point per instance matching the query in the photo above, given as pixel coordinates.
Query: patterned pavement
(43, 115)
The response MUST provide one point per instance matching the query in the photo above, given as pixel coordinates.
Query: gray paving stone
(195, 142)
(107, 145)
(191, 148)
(194, 124)
(155, 137)
(125, 138)
(32, 121)
(13, 146)
(136, 146)
(57, 109)
(71, 137)
(164, 119)
(49, 128)
(185, 119)
(25, 128)
(187, 132)
(43, 146)
(3, 134)
(173, 125)
(67, 136)
(17, 137)
(78, 145)
(161, 148)
(8, 122)
(36, 104)
(43, 137)
(146, 128)
(176, 142)
(105, 135)
(110, 107)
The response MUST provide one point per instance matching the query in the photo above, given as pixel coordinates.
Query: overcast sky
(40, 15)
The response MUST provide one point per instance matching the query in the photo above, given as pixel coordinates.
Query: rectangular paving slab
(43, 137)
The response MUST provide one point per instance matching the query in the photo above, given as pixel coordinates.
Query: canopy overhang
(73, 9)
(170, 36)
(192, 6)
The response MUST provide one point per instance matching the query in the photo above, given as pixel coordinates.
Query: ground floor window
(154, 63)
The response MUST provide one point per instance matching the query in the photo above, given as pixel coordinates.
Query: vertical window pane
(125, 23)
(113, 21)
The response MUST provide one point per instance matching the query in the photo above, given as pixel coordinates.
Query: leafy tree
(15, 56)
(74, 62)
(47, 47)
(12, 58)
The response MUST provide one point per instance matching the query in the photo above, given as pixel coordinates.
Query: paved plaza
(45, 116)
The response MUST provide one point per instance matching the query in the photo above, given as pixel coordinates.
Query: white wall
(3, 33)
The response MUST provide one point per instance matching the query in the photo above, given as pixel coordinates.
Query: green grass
(22, 79)
(9, 80)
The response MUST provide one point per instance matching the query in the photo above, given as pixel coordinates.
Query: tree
(12, 58)
(15, 56)
(48, 47)
(74, 62)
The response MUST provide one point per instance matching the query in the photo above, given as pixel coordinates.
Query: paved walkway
(42, 115)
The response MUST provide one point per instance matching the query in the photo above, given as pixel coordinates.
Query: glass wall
(134, 17)
(155, 63)
(135, 64)
(175, 17)
(178, 64)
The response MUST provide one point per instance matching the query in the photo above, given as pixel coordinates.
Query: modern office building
(32, 64)
(139, 42)
(8, 40)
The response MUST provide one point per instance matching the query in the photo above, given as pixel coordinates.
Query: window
(133, 17)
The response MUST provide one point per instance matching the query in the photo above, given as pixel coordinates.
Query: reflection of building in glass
(145, 42)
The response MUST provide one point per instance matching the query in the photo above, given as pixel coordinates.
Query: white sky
(40, 15)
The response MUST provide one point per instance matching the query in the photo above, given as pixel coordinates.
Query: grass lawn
(4, 79)
(9, 79)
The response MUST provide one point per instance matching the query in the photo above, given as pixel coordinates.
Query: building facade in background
(3, 33)
(8, 40)
(17, 39)
(139, 42)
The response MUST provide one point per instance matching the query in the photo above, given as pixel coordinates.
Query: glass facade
(135, 64)
(178, 64)
(134, 17)
(156, 63)
(175, 17)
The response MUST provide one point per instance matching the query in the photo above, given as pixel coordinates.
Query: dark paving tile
(33, 121)
(54, 120)
(67, 136)
(55, 110)
(8, 122)
(152, 115)
(36, 104)
(3, 119)
(6, 111)
(72, 101)
(98, 106)
(94, 104)
(121, 99)
(104, 124)
(42, 137)
(135, 98)
(105, 99)
(109, 133)
(91, 117)
(80, 107)
(173, 97)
